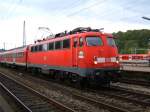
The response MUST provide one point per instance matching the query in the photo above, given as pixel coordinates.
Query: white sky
(61, 15)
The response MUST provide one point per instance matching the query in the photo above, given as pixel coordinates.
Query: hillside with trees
(133, 41)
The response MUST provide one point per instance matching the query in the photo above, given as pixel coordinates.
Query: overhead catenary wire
(12, 8)
(85, 8)
(127, 6)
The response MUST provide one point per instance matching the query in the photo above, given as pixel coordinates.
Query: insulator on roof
(61, 34)
(84, 29)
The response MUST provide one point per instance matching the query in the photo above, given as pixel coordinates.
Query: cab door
(78, 52)
(81, 52)
(75, 52)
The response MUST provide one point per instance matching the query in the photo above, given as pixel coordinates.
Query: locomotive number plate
(108, 59)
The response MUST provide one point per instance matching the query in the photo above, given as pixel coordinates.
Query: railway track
(90, 100)
(99, 103)
(127, 95)
(136, 82)
(112, 93)
(28, 99)
(116, 92)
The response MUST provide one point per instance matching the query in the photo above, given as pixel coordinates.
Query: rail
(29, 99)
(91, 100)
(136, 82)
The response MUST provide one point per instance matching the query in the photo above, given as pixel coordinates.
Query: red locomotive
(83, 54)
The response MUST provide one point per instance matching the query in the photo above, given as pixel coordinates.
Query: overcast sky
(60, 15)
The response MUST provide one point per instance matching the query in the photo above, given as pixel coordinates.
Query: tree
(132, 39)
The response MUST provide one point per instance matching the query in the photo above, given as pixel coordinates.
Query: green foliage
(133, 39)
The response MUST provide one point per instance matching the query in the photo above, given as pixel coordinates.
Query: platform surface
(135, 68)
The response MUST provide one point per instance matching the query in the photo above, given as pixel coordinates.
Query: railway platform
(135, 68)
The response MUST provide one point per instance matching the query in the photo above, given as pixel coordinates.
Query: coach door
(75, 52)
(14, 58)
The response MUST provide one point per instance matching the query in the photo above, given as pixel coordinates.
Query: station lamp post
(147, 18)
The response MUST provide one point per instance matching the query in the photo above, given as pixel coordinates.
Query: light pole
(147, 18)
(149, 45)
(24, 34)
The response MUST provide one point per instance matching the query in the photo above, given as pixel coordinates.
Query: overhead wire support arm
(147, 18)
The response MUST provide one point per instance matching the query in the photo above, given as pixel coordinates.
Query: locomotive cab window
(94, 41)
(81, 42)
(66, 43)
(110, 41)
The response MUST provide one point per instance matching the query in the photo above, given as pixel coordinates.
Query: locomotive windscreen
(94, 41)
(110, 41)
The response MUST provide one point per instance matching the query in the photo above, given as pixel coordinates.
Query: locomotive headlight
(95, 60)
(117, 59)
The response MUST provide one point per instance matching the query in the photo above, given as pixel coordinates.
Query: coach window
(51, 46)
(58, 45)
(75, 42)
(21, 54)
(18, 55)
(14, 55)
(66, 43)
(81, 43)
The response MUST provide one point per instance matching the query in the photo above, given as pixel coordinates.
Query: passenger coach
(14, 57)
